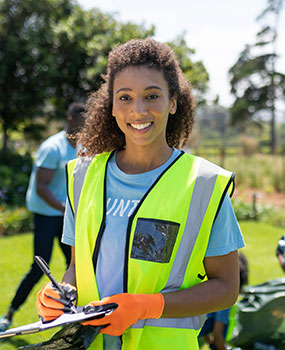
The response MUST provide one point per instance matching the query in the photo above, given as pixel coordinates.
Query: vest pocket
(154, 240)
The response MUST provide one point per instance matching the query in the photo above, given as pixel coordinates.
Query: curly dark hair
(101, 132)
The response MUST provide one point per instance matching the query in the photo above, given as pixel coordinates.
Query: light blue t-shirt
(124, 192)
(53, 153)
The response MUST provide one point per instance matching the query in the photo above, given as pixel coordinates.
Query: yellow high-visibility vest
(166, 240)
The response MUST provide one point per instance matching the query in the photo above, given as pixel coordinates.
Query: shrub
(249, 144)
(15, 220)
(14, 178)
(264, 213)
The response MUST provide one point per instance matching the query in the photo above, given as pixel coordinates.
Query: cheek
(120, 123)
(118, 110)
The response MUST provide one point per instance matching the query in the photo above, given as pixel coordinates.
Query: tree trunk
(272, 131)
(4, 149)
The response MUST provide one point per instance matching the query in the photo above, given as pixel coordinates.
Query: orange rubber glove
(131, 307)
(51, 305)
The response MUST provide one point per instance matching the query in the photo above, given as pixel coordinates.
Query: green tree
(80, 48)
(53, 52)
(255, 82)
(195, 72)
(25, 35)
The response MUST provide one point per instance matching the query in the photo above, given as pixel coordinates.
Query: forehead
(140, 76)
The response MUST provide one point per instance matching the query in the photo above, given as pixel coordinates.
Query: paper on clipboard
(99, 312)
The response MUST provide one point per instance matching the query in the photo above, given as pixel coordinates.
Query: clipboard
(82, 314)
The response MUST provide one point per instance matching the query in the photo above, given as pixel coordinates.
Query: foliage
(195, 72)
(14, 178)
(263, 213)
(15, 220)
(255, 82)
(25, 58)
(52, 52)
(249, 144)
(262, 172)
(81, 44)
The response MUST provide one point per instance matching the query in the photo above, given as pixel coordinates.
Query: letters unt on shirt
(121, 207)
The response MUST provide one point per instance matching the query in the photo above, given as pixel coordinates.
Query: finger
(98, 321)
(50, 302)
(47, 291)
(47, 313)
(52, 293)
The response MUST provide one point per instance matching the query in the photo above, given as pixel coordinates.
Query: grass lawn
(16, 257)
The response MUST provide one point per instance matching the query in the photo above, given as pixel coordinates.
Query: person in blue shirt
(46, 197)
(143, 113)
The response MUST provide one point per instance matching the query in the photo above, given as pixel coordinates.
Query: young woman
(147, 222)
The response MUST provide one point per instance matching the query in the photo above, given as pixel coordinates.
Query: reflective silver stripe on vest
(194, 322)
(201, 196)
(79, 173)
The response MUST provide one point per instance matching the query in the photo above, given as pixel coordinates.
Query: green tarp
(260, 316)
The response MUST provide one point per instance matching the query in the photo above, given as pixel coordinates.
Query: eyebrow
(147, 88)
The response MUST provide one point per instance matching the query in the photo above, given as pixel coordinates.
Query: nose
(138, 108)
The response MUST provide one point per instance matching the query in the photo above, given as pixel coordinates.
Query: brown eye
(125, 98)
(152, 97)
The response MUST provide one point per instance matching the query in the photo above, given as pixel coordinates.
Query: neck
(140, 160)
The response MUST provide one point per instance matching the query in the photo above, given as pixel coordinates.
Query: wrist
(152, 305)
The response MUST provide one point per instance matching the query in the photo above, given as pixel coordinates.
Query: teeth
(140, 126)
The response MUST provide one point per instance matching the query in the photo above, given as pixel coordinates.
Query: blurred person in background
(216, 326)
(280, 252)
(46, 197)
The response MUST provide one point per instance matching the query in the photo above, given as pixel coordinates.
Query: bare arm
(218, 332)
(44, 178)
(69, 276)
(218, 293)
(281, 259)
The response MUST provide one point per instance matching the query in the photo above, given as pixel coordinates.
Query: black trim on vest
(201, 277)
(103, 222)
(234, 184)
(131, 218)
(231, 181)
(66, 182)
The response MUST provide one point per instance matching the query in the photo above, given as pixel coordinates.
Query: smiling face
(141, 106)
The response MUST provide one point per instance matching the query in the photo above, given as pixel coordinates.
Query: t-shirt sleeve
(47, 157)
(223, 316)
(68, 234)
(225, 235)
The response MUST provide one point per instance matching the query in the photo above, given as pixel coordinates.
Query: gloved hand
(131, 307)
(50, 304)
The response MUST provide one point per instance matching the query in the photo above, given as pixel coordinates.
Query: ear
(173, 105)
